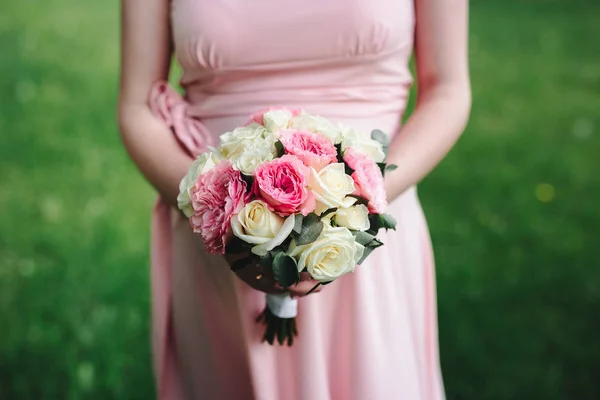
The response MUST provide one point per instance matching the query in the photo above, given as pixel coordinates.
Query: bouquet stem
(279, 318)
(282, 329)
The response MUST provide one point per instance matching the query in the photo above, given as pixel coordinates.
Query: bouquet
(293, 192)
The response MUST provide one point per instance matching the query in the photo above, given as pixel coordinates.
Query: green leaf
(384, 221)
(381, 168)
(236, 246)
(382, 138)
(359, 200)
(285, 270)
(391, 167)
(311, 229)
(363, 238)
(267, 262)
(298, 223)
(379, 136)
(280, 149)
(375, 243)
(366, 253)
(389, 222)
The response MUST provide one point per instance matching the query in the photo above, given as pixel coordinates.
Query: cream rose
(317, 124)
(248, 147)
(277, 120)
(362, 142)
(330, 186)
(252, 158)
(234, 143)
(203, 163)
(333, 254)
(256, 224)
(355, 217)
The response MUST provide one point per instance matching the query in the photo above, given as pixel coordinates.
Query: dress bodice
(332, 57)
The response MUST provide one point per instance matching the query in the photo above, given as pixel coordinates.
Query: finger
(302, 288)
(305, 276)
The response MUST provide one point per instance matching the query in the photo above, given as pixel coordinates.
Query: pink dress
(371, 335)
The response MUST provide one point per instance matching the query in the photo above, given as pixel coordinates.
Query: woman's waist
(222, 112)
(389, 124)
(334, 103)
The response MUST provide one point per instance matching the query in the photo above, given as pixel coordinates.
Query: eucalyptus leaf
(389, 221)
(382, 138)
(379, 136)
(381, 168)
(366, 253)
(378, 221)
(298, 223)
(311, 229)
(363, 238)
(375, 243)
(285, 270)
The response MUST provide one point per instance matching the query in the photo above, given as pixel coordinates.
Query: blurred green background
(514, 210)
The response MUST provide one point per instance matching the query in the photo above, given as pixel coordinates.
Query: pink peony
(281, 183)
(258, 116)
(367, 178)
(218, 194)
(314, 150)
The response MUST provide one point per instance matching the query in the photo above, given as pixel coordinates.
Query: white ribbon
(282, 305)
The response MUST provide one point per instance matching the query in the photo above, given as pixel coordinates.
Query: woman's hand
(259, 278)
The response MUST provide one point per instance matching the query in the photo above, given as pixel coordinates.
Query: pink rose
(314, 150)
(218, 194)
(258, 116)
(367, 178)
(281, 183)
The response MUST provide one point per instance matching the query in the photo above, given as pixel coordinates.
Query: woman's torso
(344, 59)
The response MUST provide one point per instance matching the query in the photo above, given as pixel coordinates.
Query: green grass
(513, 210)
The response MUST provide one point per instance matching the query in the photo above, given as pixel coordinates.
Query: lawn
(513, 210)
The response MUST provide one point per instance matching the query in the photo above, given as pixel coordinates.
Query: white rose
(362, 142)
(276, 120)
(256, 224)
(234, 143)
(247, 147)
(249, 160)
(330, 186)
(355, 217)
(317, 124)
(204, 162)
(333, 254)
